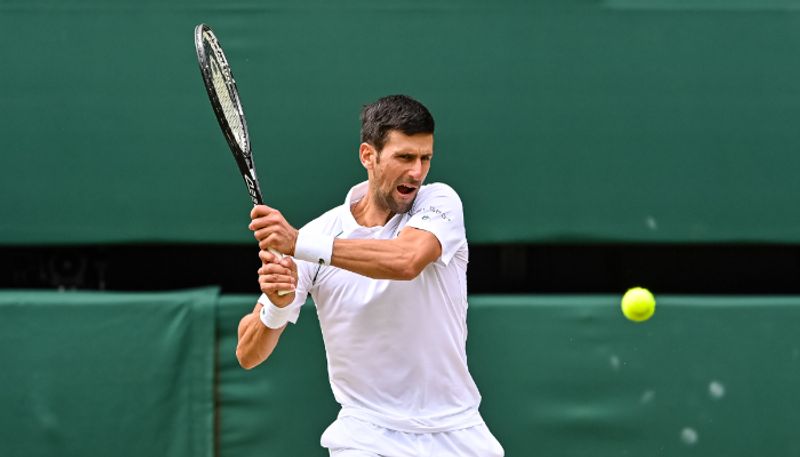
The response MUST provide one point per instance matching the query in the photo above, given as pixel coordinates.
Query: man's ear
(368, 155)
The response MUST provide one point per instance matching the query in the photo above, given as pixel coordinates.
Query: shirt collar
(355, 194)
(349, 223)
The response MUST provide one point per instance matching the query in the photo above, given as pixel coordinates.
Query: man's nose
(415, 172)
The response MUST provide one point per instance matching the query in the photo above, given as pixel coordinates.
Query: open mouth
(406, 190)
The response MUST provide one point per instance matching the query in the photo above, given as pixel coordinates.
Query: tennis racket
(227, 106)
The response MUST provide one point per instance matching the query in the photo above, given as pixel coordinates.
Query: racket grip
(280, 256)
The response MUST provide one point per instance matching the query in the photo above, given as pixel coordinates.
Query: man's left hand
(272, 230)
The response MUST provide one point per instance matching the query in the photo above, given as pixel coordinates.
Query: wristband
(314, 247)
(273, 316)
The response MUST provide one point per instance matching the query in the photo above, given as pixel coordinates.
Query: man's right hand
(277, 275)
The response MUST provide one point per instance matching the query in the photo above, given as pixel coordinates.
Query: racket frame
(243, 156)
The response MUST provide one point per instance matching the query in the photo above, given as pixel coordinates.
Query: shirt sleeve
(300, 292)
(440, 212)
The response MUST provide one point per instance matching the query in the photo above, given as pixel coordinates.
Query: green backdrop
(558, 120)
(97, 374)
(562, 375)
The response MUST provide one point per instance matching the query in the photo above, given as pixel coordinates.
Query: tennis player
(387, 272)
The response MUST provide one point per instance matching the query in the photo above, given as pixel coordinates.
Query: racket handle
(279, 256)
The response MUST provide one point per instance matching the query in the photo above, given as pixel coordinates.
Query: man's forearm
(379, 259)
(256, 341)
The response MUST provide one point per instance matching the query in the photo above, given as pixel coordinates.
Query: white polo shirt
(397, 349)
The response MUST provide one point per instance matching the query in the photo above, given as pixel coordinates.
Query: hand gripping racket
(224, 97)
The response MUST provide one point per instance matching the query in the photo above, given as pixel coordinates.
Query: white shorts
(351, 437)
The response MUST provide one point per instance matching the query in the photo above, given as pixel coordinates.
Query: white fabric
(313, 247)
(351, 437)
(273, 316)
(396, 350)
(352, 453)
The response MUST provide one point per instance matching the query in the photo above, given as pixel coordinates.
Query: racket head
(224, 96)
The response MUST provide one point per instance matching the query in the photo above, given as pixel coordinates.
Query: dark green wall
(97, 374)
(558, 120)
(564, 376)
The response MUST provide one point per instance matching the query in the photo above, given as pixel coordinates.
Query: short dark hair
(393, 112)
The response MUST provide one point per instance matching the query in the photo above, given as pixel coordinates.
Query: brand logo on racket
(251, 188)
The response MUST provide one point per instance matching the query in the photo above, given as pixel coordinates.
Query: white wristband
(273, 316)
(314, 247)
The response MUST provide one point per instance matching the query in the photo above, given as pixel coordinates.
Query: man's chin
(402, 207)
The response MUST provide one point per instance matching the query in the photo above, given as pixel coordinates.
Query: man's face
(399, 170)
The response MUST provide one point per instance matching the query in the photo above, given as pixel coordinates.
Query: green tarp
(100, 374)
(563, 376)
(281, 407)
(97, 374)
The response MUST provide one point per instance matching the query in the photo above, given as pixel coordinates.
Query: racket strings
(223, 86)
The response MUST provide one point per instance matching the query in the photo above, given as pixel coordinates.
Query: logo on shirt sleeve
(436, 211)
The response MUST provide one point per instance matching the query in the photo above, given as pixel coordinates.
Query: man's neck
(368, 213)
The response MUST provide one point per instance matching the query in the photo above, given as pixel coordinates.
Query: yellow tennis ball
(638, 304)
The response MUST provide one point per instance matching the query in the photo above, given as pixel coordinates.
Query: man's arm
(402, 258)
(256, 340)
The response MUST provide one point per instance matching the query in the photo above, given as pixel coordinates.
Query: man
(387, 272)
